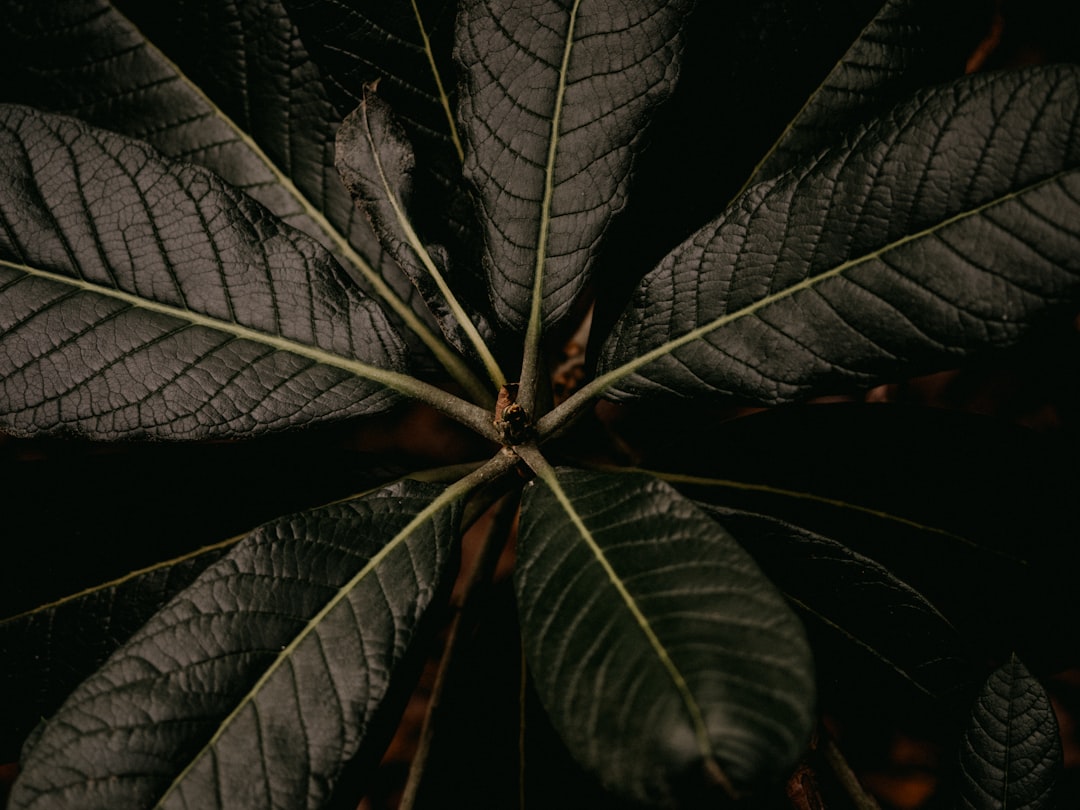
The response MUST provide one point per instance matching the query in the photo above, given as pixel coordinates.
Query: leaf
(225, 85)
(665, 659)
(250, 108)
(909, 44)
(1010, 755)
(377, 164)
(257, 684)
(552, 111)
(51, 649)
(405, 48)
(859, 600)
(141, 297)
(945, 227)
(961, 507)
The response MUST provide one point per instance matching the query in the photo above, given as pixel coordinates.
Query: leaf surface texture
(141, 297)
(378, 165)
(1010, 755)
(661, 653)
(224, 85)
(552, 111)
(258, 683)
(53, 648)
(945, 227)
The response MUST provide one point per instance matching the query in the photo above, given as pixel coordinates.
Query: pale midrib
(444, 98)
(701, 733)
(468, 414)
(530, 366)
(558, 418)
(464, 321)
(448, 496)
(445, 355)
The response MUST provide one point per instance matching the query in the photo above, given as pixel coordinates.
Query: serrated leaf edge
(435, 475)
(753, 178)
(112, 583)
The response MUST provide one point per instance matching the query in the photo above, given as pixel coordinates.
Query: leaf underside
(658, 648)
(552, 111)
(932, 233)
(257, 684)
(141, 297)
(1010, 755)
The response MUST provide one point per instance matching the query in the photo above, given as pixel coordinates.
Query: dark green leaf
(377, 163)
(908, 45)
(552, 112)
(224, 85)
(945, 227)
(666, 660)
(1010, 755)
(405, 47)
(867, 606)
(959, 506)
(251, 108)
(142, 297)
(257, 684)
(50, 650)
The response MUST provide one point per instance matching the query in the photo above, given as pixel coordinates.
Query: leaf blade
(377, 164)
(858, 598)
(904, 47)
(855, 304)
(1010, 754)
(550, 123)
(251, 108)
(205, 315)
(706, 720)
(286, 606)
(989, 502)
(54, 647)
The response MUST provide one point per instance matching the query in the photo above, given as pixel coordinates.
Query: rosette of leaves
(196, 246)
